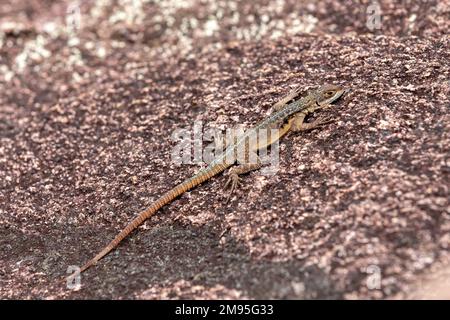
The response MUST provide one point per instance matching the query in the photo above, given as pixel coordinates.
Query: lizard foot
(304, 126)
(324, 120)
(233, 181)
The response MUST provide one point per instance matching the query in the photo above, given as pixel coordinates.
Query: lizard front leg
(233, 175)
(299, 123)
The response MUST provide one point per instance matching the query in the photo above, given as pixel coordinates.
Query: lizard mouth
(342, 93)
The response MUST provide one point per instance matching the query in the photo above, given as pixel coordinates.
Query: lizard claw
(233, 181)
(325, 120)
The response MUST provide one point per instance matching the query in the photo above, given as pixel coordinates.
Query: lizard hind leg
(233, 175)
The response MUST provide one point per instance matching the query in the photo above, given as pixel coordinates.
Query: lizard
(288, 115)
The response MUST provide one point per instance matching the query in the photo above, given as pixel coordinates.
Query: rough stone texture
(88, 106)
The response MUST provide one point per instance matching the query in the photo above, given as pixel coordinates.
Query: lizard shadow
(173, 260)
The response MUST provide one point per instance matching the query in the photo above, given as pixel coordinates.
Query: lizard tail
(163, 200)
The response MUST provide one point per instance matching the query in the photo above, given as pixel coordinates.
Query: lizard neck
(285, 113)
(291, 109)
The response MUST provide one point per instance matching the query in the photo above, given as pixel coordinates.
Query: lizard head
(327, 94)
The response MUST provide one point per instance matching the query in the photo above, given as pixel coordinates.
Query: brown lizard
(288, 115)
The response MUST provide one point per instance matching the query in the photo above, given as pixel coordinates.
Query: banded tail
(166, 198)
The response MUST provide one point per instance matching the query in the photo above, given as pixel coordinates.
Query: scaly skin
(288, 115)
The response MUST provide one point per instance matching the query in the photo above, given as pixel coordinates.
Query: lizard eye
(329, 94)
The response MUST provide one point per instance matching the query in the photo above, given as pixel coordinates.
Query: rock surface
(90, 96)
